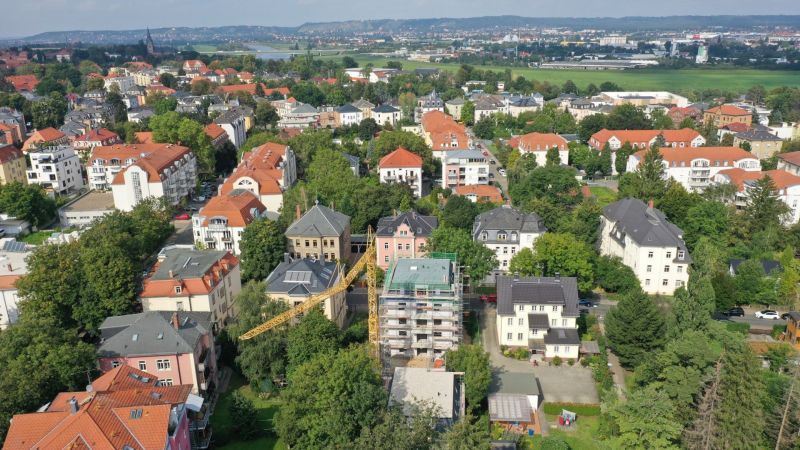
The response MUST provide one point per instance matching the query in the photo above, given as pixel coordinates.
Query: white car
(768, 314)
(502, 172)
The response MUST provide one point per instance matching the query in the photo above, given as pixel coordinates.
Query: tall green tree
(459, 212)
(764, 209)
(27, 202)
(479, 259)
(469, 433)
(628, 117)
(49, 112)
(244, 417)
(468, 113)
(172, 128)
(396, 431)
(484, 128)
(474, 362)
(693, 305)
(262, 247)
(563, 254)
(315, 334)
(635, 328)
(647, 421)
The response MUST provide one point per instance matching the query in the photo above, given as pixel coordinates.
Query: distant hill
(182, 35)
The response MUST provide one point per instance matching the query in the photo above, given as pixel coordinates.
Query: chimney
(176, 323)
(9, 267)
(287, 258)
(650, 203)
(73, 405)
(297, 213)
(171, 273)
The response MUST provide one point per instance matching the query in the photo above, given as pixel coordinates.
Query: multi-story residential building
(233, 123)
(695, 167)
(454, 106)
(300, 116)
(403, 236)
(643, 238)
(442, 133)
(538, 144)
(789, 162)
(386, 114)
(124, 408)
(428, 103)
(365, 106)
(177, 345)
(266, 171)
(13, 266)
(521, 105)
(787, 187)
(420, 307)
(220, 224)
(217, 135)
(762, 143)
(348, 115)
(540, 314)
(402, 166)
(296, 280)
(643, 98)
(57, 169)
(12, 165)
(185, 279)
(46, 137)
(644, 139)
(464, 168)
(320, 233)
(123, 82)
(480, 193)
(169, 172)
(106, 162)
(723, 115)
(94, 138)
(507, 230)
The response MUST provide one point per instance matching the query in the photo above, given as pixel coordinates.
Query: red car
(183, 216)
(491, 298)
(485, 153)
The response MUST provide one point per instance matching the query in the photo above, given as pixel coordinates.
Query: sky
(29, 17)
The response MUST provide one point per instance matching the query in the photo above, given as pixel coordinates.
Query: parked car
(201, 199)
(768, 314)
(734, 312)
(491, 175)
(182, 216)
(502, 172)
(491, 161)
(489, 298)
(485, 153)
(586, 302)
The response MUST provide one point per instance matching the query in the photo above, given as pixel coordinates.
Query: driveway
(182, 234)
(559, 384)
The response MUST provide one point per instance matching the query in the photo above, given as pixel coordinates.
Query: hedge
(738, 327)
(581, 409)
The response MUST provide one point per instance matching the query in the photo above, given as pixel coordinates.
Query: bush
(581, 409)
(557, 361)
(244, 419)
(554, 443)
(738, 327)
(571, 362)
(777, 330)
(521, 354)
(584, 362)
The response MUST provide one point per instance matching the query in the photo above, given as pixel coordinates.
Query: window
(386, 258)
(649, 268)
(563, 322)
(669, 255)
(665, 282)
(521, 321)
(165, 382)
(386, 246)
(647, 282)
(408, 247)
(680, 254)
(163, 364)
(307, 243)
(666, 269)
(501, 236)
(541, 307)
(178, 289)
(553, 322)
(142, 366)
(679, 269)
(519, 336)
(555, 349)
(510, 336)
(511, 321)
(114, 364)
(679, 283)
(535, 332)
(555, 308)
(521, 307)
(649, 254)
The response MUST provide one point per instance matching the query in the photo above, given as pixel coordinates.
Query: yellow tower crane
(368, 260)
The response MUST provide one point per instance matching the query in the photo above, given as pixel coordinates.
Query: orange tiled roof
(539, 142)
(98, 134)
(781, 178)
(156, 162)
(728, 110)
(144, 137)
(236, 206)
(126, 151)
(481, 191)
(268, 180)
(265, 156)
(687, 155)
(736, 127)
(9, 153)
(201, 285)
(213, 130)
(686, 135)
(23, 82)
(43, 135)
(401, 158)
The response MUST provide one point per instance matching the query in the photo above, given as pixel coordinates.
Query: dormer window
(514, 236)
(680, 254)
(501, 236)
(178, 289)
(484, 236)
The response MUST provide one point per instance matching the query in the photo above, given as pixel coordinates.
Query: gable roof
(319, 221)
(727, 156)
(347, 109)
(420, 225)
(791, 157)
(537, 290)
(757, 135)
(480, 192)
(302, 277)
(213, 130)
(196, 272)
(155, 163)
(400, 158)
(98, 134)
(538, 142)
(152, 333)
(508, 219)
(236, 206)
(385, 109)
(728, 110)
(646, 226)
(9, 153)
(686, 135)
(740, 177)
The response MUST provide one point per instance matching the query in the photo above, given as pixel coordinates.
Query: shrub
(738, 327)
(244, 416)
(557, 361)
(584, 362)
(571, 362)
(520, 354)
(554, 443)
(777, 330)
(581, 409)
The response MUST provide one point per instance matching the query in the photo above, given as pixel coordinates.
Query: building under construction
(420, 308)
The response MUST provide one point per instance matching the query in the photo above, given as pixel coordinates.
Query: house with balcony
(787, 188)
(695, 168)
(507, 230)
(106, 161)
(643, 238)
(539, 314)
(267, 171)
(185, 279)
(538, 144)
(420, 307)
(643, 139)
(94, 138)
(402, 166)
(57, 169)
(178, 346)
(464, 168)
(219, 225)
(320, 233)
(170, 172)
(403, 235)
(125, 408)
(296, 280)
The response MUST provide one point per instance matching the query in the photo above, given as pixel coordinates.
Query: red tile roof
(266, 156)
(443, 130)
(43, 135)
(736, 127)
(127, 151)
(99, 135)
(781, 178)
(236, 206)
(155, 163)
(213, 131)
(9, 153)
(23, 82)
(728, 110)
(685, 135)
(144, 137)
(724, 155)
(199, 285)
(400, 158)
(538, 142)
(483, 192)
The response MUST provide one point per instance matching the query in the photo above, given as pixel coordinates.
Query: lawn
(221, 420)
(676, 80)
(204, 48)
(603, 194)
(38, 237)
(583, 436)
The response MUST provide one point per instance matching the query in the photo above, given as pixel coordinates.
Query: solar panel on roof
(14, 246)
(297, 276)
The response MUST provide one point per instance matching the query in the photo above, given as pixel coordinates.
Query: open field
(677, 80)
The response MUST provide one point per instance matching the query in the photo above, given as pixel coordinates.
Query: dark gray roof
(537, 291)
(768, 265)
(362, 104)
(538, 321)
(562, 336)
(319, 221)
(590, 347)
(646, 226)
(419, 224)
(229, 116)
(347, 108)
(456, 101)
(507, 219)
(384, 108)
(794, 315)
(302, 277)
(304, 109)
(514, 383)
(426, 71)
(186, 263)
(525, 102)
(757, 135)
(152, 333)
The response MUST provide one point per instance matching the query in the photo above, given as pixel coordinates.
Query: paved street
(498, 180)
(182, 234)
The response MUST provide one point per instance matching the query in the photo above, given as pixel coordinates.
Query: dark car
(586, 302)
(734, 312)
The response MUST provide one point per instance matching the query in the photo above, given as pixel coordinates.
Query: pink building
(123, 409)
(177, 346)
(403, 236)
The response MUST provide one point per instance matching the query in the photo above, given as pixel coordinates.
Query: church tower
(151, 48)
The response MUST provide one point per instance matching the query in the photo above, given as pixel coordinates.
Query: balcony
(201, 440)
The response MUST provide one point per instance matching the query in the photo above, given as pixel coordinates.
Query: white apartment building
(106, 161)
(464, 168)
(538, 144)
(540, 314)
(787, 187)
(185, 279)
(57, 169)
(402, 166)
(694, 168)
(13, 266)
(169, 173)
(645, 241)
(220, 224)
(232, 121)
(384, 114)
(349, 115)
(123, 82)
(507, 230)
(266, 171)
